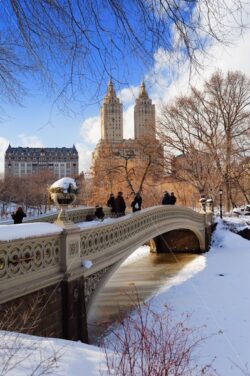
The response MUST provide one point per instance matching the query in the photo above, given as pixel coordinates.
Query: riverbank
(213, 289)
(217, 299)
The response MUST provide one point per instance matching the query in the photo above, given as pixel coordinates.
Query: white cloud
(128, 95)
(90, 130)
(165, 87)
(4, 143)
(30, 141)
(85, 155)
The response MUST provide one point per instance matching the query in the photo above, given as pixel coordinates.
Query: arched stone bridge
(51, 268)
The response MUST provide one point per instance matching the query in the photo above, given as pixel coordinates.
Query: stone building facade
(144, 115)
(111, 116)
(21, 161)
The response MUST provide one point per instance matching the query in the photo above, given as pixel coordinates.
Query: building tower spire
(110, 90)
(144, 115)
(111, 116)
(143, 93)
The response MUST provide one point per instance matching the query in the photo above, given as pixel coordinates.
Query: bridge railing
(149, 222)
(75, 214)
(34, 262)
(25, 262)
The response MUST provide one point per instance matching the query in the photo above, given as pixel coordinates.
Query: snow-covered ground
(217, 297)
(214, 289)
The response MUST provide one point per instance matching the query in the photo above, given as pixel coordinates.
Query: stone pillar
(152, 245)
(74, 310)
(73, 294)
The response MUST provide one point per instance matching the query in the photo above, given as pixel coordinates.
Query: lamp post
(220, 193)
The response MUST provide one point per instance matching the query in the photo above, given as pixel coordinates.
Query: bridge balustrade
(56, 264)
(105, 244)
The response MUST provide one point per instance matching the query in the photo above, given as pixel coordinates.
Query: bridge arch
(152, 224)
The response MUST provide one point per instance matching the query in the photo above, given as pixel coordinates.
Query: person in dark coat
(166, 199)
(99, 213)
(111, 203)
(18, 215)
(172, 199)
(136, 203)
(120, 205)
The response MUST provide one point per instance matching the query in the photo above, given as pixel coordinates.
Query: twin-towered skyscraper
(119, 163)
(112, 116)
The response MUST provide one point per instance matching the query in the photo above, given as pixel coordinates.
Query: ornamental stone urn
(64, 192)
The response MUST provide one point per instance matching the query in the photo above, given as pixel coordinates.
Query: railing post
(70, 249)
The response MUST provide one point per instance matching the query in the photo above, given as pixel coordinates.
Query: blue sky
(37, 122)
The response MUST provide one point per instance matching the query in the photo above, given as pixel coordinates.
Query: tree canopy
(74, 45)
(210, 128)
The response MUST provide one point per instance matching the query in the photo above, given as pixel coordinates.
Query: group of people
(168, 199)
(117, 205)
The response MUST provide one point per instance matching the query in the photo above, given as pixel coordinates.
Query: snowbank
(218, 299)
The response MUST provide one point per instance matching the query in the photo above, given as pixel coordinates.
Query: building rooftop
(38, 151)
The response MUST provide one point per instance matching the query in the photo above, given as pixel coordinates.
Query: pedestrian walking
(136, 203)
(111, 203)
(120, 205)
(172, 198)
(18, 215)
(166, 198)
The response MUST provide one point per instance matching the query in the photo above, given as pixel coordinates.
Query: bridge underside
(181, 240)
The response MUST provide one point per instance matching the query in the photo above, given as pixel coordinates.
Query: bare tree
(78, 43)
(213, 122)
(147, 343)
(28, 191)
(195, 167)
(8, 193)
(145, 163)
(128, 166)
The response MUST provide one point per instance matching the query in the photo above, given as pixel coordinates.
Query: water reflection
(148, 274)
